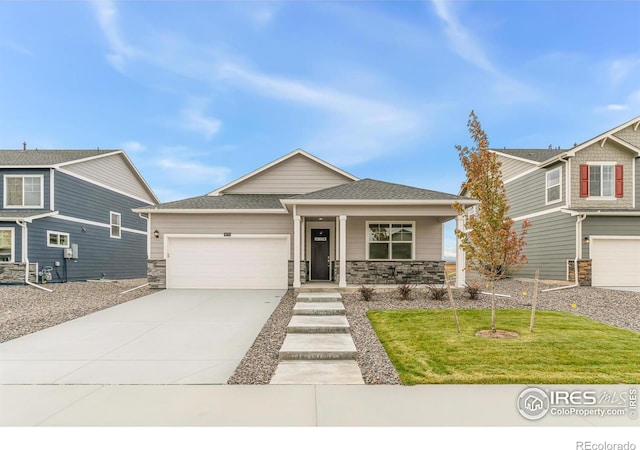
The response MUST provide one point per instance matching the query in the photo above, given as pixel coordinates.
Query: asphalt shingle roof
(532, 154)
(46, 157)
(12, 214)
(368, 189)
(226, 201)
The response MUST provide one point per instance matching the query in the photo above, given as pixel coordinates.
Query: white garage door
(615, 261)
(235, 262)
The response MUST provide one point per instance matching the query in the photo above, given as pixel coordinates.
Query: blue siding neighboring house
(68, 213)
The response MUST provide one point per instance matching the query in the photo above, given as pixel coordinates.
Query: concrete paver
(317, 372)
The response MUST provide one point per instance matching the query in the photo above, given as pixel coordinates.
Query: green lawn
(563, 349)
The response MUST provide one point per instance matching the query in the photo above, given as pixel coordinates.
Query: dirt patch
(498, 334)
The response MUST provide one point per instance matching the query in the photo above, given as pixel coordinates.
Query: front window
(602, 180)
(56, 239)
(6, 244)
(23, 191)
(115, 225)
(390, 240)
(554, 181)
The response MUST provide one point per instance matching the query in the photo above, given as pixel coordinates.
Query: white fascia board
(104, 186)
(88, 158)
(211, 211)
(30, 218)
(602, 213)
(606, 134)
(625, 144)
(278, 161)
(517, 158)
(468, 202)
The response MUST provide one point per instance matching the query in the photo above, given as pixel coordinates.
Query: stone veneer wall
(395, 272)
(157, 273)
(303, 272)
(13, 273)
(584, 271)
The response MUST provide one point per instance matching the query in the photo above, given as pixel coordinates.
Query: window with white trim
(7, 245)
(390, 240)
(23, 191)
(553, 185)
(115, 221)
(57, 239)
(602, 180)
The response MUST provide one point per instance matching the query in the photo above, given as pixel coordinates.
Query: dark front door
(320, 254)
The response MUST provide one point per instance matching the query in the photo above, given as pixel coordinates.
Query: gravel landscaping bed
(26, 309)
(618, 308)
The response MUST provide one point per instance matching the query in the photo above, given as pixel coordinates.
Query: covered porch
(387, 243)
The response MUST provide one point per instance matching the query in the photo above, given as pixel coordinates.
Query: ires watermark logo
(535, 403)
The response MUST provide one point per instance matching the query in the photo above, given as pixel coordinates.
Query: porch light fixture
(586, 240)
(156, 233)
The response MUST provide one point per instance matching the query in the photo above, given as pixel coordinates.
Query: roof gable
(295, 173)
(529, 155)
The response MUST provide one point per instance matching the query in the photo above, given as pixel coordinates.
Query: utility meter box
(71, 252)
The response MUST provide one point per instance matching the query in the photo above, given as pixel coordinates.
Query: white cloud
(121, 52)
(262, 14)
(193, 118)
(133, 147)
(193, 172)
(620, 69)
(463, 43)
(617, 107)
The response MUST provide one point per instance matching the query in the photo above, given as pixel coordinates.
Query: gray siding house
(583, 205)
(300, 220)
(66, 215)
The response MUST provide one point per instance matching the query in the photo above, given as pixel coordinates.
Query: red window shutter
(584, 180)
(619, 180)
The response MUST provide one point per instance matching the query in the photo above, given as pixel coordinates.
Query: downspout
(579, 220)
(25, 255)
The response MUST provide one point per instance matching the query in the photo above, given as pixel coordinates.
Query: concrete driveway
(171, 337)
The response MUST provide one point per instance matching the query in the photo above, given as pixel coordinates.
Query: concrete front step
(318, 297)
(318, 324)
(318, 309)
(317, 372)
(320, 346)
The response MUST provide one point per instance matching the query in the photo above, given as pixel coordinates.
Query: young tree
(493, 249)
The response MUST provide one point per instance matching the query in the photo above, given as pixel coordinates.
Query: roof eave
(209, 211)
(601, 213)
(384, 202)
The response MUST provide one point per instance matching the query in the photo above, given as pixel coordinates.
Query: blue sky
(200, 93)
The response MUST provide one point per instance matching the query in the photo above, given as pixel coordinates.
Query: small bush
(472, 290)
(404, 291)
(437, 293)
(366, 293)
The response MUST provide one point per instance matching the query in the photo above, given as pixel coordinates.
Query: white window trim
(59, 233)
(111, 225)
(13, 245)
(390, 222)
(5, 202)
(601, 164)
(547, 186)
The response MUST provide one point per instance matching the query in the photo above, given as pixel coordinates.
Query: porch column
(460, 256)
(296, 251)
(343, 251)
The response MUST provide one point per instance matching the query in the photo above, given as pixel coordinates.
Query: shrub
(472, 290)
(437, 293)
(366, 293)
(404, 291)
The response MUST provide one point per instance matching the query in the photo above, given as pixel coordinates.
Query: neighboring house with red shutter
(582, 203)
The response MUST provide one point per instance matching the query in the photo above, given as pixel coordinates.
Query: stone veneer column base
(157, 273)
(13, 273)
(584, 271)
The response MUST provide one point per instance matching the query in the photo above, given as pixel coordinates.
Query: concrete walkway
(282, 406)
(318, 347)
(170, 337)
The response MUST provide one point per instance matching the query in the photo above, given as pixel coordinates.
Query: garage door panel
(227, 263)
(615, 261)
